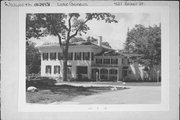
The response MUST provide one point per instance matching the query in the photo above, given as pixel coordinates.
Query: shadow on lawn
(60, 93)
(72, 90)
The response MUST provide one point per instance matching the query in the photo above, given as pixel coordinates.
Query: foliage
(64, 26)
(60, 24)
(147, 42)
(33, 59)
(40, 82)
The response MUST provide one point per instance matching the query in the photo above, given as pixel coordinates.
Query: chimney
(100, 41)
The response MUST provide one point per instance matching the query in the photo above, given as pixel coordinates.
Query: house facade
(86, 60)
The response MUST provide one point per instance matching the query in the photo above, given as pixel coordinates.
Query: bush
(73, 79)
(40, 82)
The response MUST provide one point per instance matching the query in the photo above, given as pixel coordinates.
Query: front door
(82, 72)
(95, 74)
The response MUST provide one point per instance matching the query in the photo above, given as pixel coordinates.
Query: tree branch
(78, 29)
(59, 37)
(69, 30)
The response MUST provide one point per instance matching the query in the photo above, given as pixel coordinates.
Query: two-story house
(85, 60)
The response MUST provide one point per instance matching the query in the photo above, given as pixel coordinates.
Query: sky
(115, 33)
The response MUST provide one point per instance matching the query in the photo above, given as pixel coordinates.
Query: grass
(120, 83)
(62, 93)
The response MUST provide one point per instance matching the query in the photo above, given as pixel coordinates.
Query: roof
(111, 52)
(73, 43)
(130, 55)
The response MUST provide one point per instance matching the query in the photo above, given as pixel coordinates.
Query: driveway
(133, 95)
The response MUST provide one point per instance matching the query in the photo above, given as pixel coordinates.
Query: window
(113, 74)
(92, 56)
(70, 56)
(113, 71)
(86, 55)
(48, 69)
(125, 71)
(45, 56)
(128, 61)
(60, 56)
(122, 61)
(52, 56)
(78, 56)
(98, 61)
(114, 61)
(104, 74)
(106, 61)
(68, 70)
(95, 74)
(82, 70)
(56, 69)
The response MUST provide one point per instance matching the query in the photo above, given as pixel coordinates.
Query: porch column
(99, 69)
(117, 75)
(108, 73)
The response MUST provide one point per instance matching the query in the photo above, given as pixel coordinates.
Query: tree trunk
(65, 69)
(65, 59)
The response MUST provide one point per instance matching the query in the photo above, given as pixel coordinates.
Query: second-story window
(106, 61)
(122, 61)
(92, 56)
(114, 61)
(98, 61)
(70, 56)
(60, 56)
(86, 55)
(78, 56)
(53, 56)
(45, 56)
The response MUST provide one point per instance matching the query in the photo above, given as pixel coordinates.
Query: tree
(64, 26)
(147, 42)
(33, 59)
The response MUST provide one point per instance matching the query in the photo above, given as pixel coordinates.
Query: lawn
(116, 83)
(61, 93)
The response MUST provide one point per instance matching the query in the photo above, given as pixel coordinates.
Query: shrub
(40, 82)
(73, 79)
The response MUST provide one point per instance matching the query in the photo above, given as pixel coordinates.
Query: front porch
(105, 74)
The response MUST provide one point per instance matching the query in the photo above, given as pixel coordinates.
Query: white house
(86, 60)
